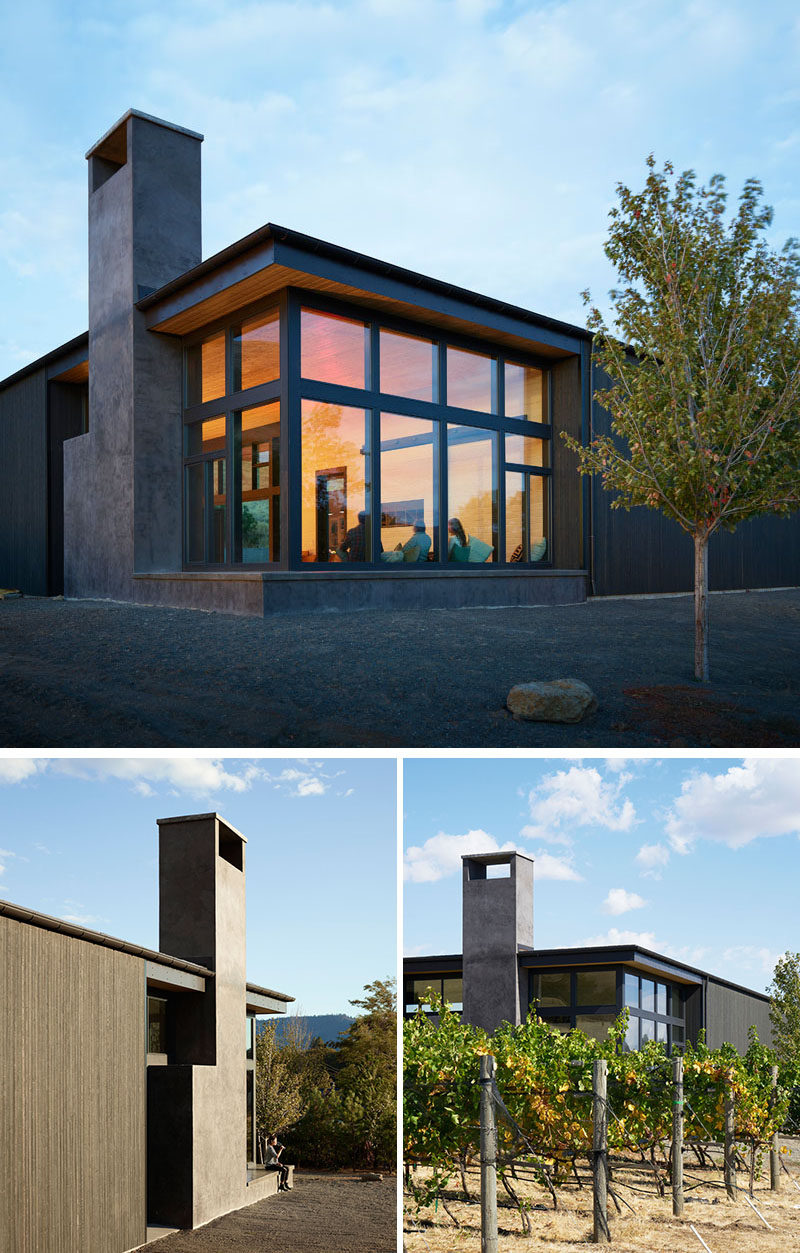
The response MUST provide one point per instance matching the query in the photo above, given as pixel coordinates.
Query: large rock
(560, 700)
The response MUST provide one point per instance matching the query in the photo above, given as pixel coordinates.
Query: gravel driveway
(322, 1214)
(100, 674)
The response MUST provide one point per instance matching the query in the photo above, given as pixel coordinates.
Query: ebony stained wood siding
(731, 1014)
(566, 482)
(72, 1094)
(23, 484)
(641, 551)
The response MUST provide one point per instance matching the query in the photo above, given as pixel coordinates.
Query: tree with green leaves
(702, 359)
(784, 1010)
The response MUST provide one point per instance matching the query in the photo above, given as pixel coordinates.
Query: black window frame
(291, 389)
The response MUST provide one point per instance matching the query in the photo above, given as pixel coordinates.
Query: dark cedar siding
(23, 499)
(73, 1151)
(730, 1014)
(566, 484)
(641, 551)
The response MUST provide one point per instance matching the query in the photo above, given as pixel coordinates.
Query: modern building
(499, 975)
(127, 1093)
(289, 424)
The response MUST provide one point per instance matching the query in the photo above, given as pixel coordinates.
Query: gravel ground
(99, 674)
(322, 1214)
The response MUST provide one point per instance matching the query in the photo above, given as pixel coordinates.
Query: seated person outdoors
(463, 547)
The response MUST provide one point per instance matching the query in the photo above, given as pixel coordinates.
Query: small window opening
(499, 872)
(230, 847)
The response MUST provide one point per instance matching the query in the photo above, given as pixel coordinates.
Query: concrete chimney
(497, 922)
(122, 480)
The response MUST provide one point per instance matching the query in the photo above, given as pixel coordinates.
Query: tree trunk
(701, 608)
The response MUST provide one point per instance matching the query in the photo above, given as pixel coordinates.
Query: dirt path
(96, 674)
(322, 1214)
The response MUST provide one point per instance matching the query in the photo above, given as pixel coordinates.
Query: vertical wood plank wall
(23, 475)
(567, 487)
(730, 1014)
(72, 1095)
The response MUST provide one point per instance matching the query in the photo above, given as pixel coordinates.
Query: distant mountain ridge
(327, 1026)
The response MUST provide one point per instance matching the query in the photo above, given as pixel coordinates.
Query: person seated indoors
(456, 540)
(355, 543)
(463, 547)
(418, 547)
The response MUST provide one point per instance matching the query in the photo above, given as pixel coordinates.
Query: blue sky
(79, 841)
(697, 858)
(475, 140)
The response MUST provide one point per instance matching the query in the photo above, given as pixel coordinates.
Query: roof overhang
(163, 978)
(274, 257)
(266, 1001)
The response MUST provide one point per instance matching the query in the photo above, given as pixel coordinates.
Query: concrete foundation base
(261, 592)
(261, 1183)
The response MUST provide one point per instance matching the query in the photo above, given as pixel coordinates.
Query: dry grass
(726, 1226)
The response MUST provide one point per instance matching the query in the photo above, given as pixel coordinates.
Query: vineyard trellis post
(774, 1159)
(730, 1141)
(600, 1150)
(488, 1158)
(677, 1136)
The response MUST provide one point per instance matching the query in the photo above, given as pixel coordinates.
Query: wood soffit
(78, 374)
(273, 278)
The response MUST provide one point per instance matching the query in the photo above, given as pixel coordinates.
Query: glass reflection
(408, 511)
(553, 989)
(471, 494)
(470, 379)
(595, 1026)
(596, 987)
(524, 450)
(407, 365)
(526, 517)
(335, 484)
(256, 351)
(333, 349)
(205, 370)
(524, 388)
(219, 527)
(258, 444)
(195, 512)
(208, 436)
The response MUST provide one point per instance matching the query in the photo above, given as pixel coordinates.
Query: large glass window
(333, 349)
(596, 987)
(489, 482)
(553, 988)
(409, 517)
(471, 379)
(596, 1026)
(256, 351)
(258, 433)
(335, 484)
(407, 365)
(205, 370)
(156, 1024)
(448, 987)
(524, 388)
(526, 517)
(471, 494)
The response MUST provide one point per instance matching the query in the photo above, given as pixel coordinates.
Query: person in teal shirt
(419, 540)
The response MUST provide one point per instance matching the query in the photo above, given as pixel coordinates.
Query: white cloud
(619, 901)
(651, 858)
(546, 866)
(441, 854)
(758, 799)
(645, 939)
(17, 769)
(196, 775)
(298, 782)
(577, 797)
(747, 957)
